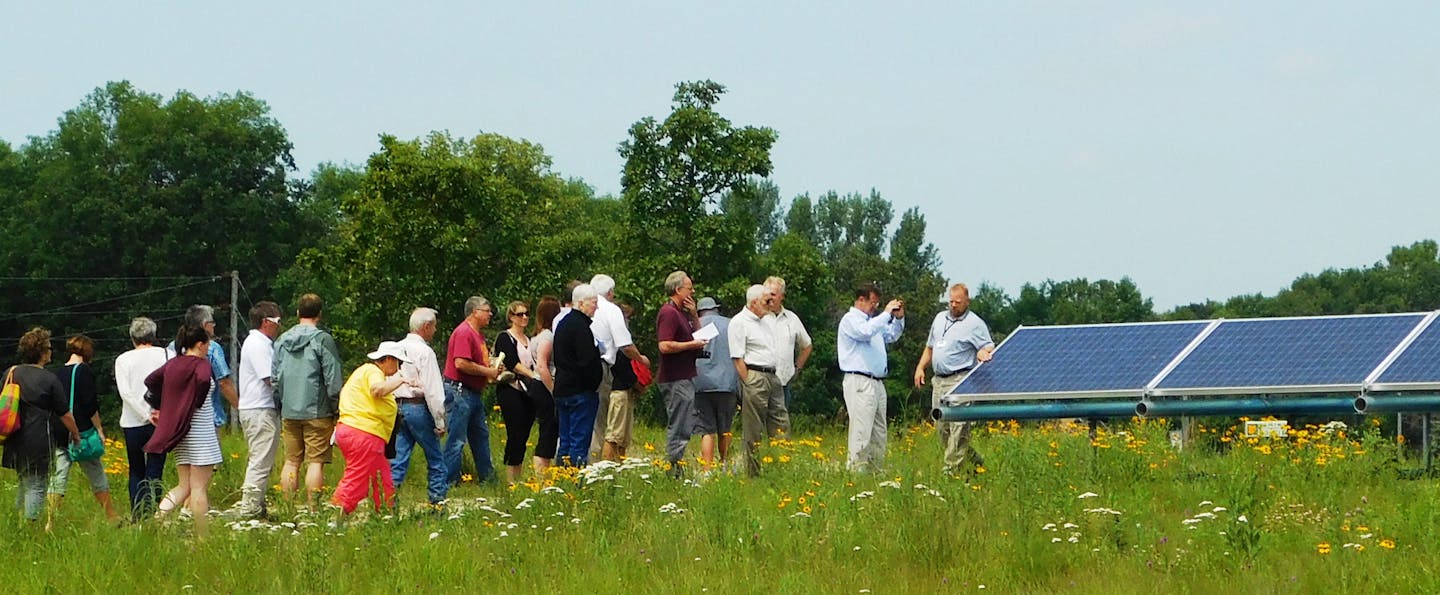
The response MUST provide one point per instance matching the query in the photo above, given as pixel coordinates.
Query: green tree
(676, 170)
(800, 219)
(755, 206)
(434, 221)
(132, 186)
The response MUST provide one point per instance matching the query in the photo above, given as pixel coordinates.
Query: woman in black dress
(42, 400)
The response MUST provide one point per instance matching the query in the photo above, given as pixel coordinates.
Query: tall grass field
(1053, 510)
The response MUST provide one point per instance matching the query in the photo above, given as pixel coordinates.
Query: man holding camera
(861, 349)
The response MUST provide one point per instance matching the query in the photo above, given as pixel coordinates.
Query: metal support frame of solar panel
(1089, 361)
(1303, 355)
(1415, 367)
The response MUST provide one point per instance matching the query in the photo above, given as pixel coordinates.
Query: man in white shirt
(860, 345)
(612, 423)
(421, 407)
(790, 336)
(752, 349)
(259, 416)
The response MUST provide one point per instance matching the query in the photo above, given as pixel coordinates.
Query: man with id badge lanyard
(959, 340)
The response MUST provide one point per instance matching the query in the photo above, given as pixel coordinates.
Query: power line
(39, 279)
(62, 309)
(11, 341)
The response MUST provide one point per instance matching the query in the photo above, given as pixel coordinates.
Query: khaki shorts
(620, 418)
(307, 439)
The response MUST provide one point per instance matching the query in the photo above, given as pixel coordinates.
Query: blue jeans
(146, 472)
(577, 423)
(417, 427)
(30, 495)
(465, 418)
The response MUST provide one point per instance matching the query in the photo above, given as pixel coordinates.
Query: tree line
(137, 204)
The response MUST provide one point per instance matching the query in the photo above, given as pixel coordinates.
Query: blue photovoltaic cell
(1420, 362)
(1291, 352)
(1071, 359)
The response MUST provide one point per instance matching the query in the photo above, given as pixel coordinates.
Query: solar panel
(1288, 355)
(1103, 360)
(1417, 367)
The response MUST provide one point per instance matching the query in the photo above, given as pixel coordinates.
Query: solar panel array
(1315, 355)
(1107, 359)
(1288, 353)
(1418, 367)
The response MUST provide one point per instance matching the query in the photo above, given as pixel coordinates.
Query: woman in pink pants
(367, 418)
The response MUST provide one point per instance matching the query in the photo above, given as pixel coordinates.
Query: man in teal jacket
(307, 380)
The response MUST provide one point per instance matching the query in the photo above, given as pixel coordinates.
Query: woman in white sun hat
(367, 418)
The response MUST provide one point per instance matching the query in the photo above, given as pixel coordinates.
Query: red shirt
(672, 324)
(468, 343)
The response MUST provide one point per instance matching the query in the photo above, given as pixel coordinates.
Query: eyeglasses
(519, 313)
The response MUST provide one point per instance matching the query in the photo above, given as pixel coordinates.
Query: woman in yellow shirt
(367, 417)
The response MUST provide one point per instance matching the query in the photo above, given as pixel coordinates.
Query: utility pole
(235, 336)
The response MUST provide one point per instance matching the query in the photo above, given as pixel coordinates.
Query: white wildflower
(1087, 495)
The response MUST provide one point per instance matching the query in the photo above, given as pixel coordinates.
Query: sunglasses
(274, 319)
(526, 313)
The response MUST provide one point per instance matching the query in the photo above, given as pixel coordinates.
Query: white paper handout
(707, 332)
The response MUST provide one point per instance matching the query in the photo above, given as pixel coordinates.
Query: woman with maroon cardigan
(184, 423)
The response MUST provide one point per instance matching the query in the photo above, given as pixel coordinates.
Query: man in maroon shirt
(468, 370)
(675, 327)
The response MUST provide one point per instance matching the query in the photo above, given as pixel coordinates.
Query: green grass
(1021, 526)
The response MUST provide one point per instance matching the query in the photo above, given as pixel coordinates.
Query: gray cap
(707, 303)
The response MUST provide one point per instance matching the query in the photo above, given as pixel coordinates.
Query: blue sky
(1204, 150)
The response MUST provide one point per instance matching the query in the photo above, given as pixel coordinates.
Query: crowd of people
(568, 366)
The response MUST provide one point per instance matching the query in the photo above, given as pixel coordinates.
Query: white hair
(142, 331)
(583, 291)
(602, 283)
(754, 293)
(775, 284)
(421, 317)
(475, 302)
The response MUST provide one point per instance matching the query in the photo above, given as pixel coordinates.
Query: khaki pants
(620, 418)
(865, 402)
(262, 437)
(954, 435)
(758, 391)
(597, 439)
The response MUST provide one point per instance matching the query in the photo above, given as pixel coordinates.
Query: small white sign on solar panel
(1267, 429)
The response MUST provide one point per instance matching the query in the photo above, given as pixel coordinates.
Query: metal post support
(234, 338)
(1425, 438)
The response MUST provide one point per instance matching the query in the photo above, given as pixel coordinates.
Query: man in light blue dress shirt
(958, 340)
(861, 346)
